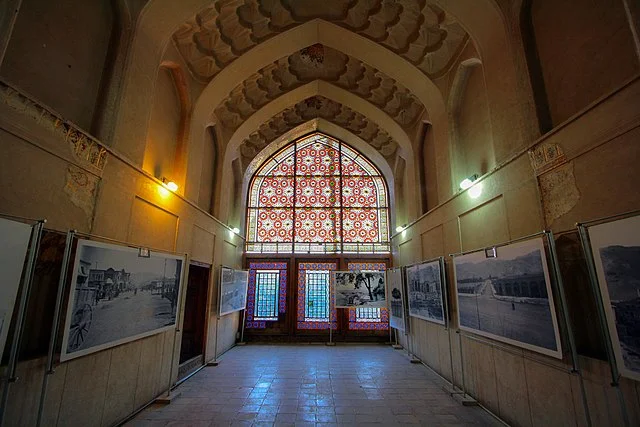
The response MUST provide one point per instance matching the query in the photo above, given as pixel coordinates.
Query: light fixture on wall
(169, 184)
(468, 182)
(400, 228)
(236, 230)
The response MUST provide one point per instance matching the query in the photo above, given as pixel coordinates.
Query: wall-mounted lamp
(400, 228)
(468, 182)
(236, 230)
(170, 184)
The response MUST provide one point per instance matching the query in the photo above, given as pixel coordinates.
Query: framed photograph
(396, 299)
(425, 291)
(360, 289)
(118, 296)
(13, 252)
(615, 247)
(509, 297)
(233, 290)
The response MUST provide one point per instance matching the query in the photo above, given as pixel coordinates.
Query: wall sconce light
(468, 182)
(400, 228)
(170, 184)
(236, 230)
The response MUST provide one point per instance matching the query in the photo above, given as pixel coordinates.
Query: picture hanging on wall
(233, 290)
(117, 296)
(360, 289)
(615, 247)
(397, 319)
(13, 252)
(424, 289)
(508, 297)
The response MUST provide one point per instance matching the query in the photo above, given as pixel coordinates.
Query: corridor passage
(314, 385)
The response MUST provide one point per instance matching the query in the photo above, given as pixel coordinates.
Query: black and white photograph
(396, 299)
(233, 290)
(615, 247)
(508, 297)
(360, 289)
(13, 252)
(424, 289)
(118, 296)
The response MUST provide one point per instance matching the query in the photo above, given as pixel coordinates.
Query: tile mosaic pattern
(313, 385)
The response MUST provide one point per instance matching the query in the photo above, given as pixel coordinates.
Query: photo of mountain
(615, 247)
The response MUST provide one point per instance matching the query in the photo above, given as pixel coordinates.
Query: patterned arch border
(383, 325)
(302, 324)
(251, 294)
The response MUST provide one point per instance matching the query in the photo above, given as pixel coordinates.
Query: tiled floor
(313, 385)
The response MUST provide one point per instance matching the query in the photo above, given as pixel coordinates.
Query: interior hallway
(265, 385)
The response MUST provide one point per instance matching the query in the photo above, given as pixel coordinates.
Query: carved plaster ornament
(312, 108)
(418, 31)
(310, 64)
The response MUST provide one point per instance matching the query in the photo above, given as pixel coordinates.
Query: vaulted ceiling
(312, 108)
(416, 32)
(421, 33)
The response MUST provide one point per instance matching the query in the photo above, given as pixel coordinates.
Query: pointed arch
(317, 194)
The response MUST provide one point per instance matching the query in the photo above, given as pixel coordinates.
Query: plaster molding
(319, 62)
(420, 32)
(85, 149)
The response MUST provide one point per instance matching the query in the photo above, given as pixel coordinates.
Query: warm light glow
(169, 184)
(475, 191)
(164, 193)
(399, 228)
(235, 230)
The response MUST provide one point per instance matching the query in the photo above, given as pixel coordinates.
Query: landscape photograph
(508, 297)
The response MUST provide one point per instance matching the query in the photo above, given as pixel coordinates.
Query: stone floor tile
(308, 385)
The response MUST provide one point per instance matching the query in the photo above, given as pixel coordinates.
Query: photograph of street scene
(616, 250)
(360, 289)
(118, 296)
(233, 290)
(396, 319)
(508, 297)
(425, 292)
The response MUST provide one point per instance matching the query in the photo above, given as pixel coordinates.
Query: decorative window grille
(267, 294)
(317, 296)
(318, 195)
(368, 314)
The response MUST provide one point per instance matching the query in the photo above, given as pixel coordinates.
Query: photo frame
(397, 299)
(615, 251)
(427, 291)
(116, 296)
(13, 253)
(360, 289)
(509, 298)
(232, 296)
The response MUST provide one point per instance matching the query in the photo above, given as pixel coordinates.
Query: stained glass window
(267, 293)
(259, 306)
(318, 195)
